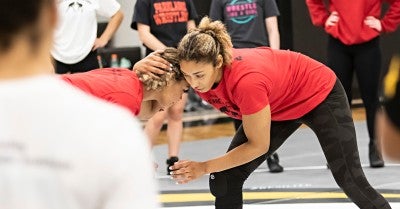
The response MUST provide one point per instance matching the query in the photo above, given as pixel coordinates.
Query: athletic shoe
(170, 162)
(375, 159)
(273, 164)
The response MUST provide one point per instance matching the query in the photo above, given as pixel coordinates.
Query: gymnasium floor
(305, 183)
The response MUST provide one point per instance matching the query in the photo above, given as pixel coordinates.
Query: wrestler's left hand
(373, 23)
(185, 171)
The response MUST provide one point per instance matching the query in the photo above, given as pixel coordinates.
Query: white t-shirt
(63, 149)
(77, 27)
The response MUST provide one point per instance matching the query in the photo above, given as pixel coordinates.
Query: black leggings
(365, 60)
(87, 64)
(332, 122)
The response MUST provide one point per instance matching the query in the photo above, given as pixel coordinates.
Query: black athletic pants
(89, 63)
(365, 61)
(332, 122)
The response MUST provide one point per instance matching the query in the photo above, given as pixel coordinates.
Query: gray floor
(305, 170)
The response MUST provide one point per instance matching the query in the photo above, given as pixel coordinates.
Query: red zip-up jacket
(351, 28)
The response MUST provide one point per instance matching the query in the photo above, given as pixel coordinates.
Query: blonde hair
(151, 83)
(206, 42)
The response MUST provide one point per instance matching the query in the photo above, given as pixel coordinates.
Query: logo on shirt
(76, 5)
(241, 11)
(224, 106)
(170, 12)
(238, 58)
(229, 111)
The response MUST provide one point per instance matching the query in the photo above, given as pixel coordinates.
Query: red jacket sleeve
(318, 12)
(392, 17)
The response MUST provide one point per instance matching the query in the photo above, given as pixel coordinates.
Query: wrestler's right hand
(153, 65)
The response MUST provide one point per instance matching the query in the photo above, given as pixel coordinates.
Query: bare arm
(148, 109)
(153, 64)
(148, 38)
(111, 28)
(191, 25)
(271, 24)
(257, 145)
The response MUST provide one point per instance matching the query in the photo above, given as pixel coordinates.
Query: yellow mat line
(199, 197)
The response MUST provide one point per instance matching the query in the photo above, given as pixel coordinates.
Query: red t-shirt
(119, 86)
(351, 28)
(291, 83)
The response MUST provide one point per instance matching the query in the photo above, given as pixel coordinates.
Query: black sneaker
(375, 159)
(273, 164)
(170, 162)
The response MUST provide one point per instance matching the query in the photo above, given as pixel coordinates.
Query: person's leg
(333, 124)
(272, 160)
(154, 125)
(227, 185)
(175, 126)
(340, 60)
(193, 101)
(368, 70)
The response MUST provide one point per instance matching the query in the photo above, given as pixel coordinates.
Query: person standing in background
(75, 40)
(354, 28)
(250, 24)
(161, 24)
(59, 147)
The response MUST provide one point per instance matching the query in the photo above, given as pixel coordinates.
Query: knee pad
(226, 182)
(218, 184)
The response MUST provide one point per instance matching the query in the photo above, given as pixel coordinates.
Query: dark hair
(206, 42)
(18, 16)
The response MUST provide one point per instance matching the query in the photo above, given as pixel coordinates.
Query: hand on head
(152, 65)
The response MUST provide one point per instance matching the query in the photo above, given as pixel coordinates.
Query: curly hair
(206, 42)
(171, 55)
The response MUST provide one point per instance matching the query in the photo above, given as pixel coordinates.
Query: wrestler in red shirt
(273, 92)
(288, 85)
(141, 94)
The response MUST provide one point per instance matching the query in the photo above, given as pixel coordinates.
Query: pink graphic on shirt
(170, 12)
(240, 11)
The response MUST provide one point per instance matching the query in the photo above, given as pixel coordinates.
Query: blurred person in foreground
(389, 118)
(60, 148)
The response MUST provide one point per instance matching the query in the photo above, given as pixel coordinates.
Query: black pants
(89, 63)
(332, 122)
(365, 60)
(237, 123)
